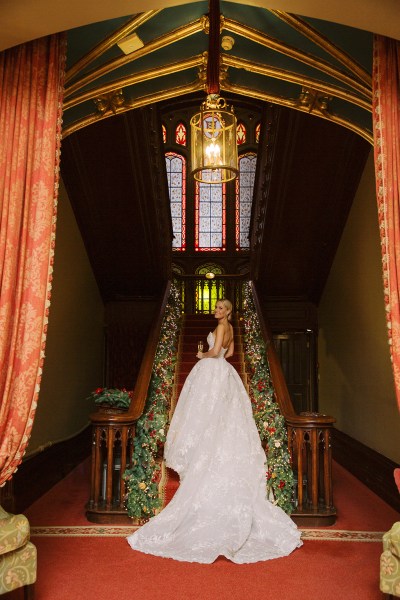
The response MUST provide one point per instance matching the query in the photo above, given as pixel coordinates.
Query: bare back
(227, 336)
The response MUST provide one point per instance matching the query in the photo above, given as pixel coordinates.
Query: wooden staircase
(309, 434)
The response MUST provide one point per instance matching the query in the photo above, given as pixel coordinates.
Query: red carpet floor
(106, 569)
(81, 560)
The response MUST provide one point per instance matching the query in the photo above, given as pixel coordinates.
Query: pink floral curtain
(31, 86)
(386, 124)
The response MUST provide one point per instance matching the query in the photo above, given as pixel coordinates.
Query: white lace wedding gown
(220, 507)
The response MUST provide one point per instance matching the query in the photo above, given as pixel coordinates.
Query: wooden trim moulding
(370, 467)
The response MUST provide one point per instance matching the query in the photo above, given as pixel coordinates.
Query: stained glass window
(176, 175)
(208, 290)
(210, 216)
(241, 134)
(164, 133)
(180, 134)
(244, 198)
(258, 129)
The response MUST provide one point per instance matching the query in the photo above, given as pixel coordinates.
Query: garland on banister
(142, 497)
(269, 420)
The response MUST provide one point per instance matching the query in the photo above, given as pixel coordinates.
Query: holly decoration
(269, 420)
(141, 478)
(114, 397)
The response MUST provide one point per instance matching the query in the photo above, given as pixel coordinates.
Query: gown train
(220, 507)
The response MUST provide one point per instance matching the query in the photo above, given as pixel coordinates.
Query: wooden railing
(113, 435)
(309, 434)
(199, 293)
(309, 440)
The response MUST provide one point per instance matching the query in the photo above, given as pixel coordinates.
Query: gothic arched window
(176, 175)
(208, 288)
(210, 216)
(244, 198)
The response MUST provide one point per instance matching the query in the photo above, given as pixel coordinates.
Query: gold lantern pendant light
(213, 129)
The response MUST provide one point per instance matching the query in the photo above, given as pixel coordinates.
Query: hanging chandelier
(213, 129)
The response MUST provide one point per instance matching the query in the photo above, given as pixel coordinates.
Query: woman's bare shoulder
(218, 328)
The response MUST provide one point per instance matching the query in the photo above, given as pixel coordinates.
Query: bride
(220, 507)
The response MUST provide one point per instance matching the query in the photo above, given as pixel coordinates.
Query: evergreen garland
(270, 422)
(141, 478)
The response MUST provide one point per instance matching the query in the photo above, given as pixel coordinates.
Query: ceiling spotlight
(130, 43)
(227, 42)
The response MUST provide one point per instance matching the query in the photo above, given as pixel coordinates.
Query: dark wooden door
(296, 350)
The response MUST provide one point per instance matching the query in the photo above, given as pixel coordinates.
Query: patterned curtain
(386, 123)
(31, 86)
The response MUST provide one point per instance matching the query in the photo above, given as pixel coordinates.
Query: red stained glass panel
(180, 134)
(241, 134)
(176, 176)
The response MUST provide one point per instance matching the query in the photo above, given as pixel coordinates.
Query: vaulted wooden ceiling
(312, 79)
(307, 175)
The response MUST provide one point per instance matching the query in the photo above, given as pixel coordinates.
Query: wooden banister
(309, 441)
(113, 434)
(142, 383)
(281, 389)
(144, 376)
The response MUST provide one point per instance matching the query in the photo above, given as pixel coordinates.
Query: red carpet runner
(80, 560)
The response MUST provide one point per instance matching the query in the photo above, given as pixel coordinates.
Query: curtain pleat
(386, 125)
(31, 91)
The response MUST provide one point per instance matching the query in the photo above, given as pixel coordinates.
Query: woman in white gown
(220, 507)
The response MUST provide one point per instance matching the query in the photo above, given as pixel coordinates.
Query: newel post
(112, 448)
(310, 447)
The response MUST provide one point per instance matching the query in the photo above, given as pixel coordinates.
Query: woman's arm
(213, 352)
(230, 350)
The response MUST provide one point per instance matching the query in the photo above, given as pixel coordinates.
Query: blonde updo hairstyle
(228, 306)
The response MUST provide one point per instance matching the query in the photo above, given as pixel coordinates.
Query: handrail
(113, 437)
(278, 378)
(143, 380)
(282, 392)
(309, 442)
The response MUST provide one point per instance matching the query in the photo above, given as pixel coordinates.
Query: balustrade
(309, 434)
(112, 439)
(309, 441)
